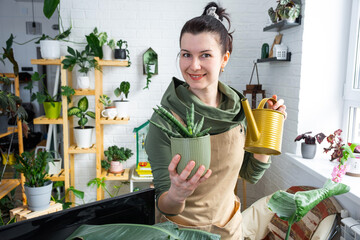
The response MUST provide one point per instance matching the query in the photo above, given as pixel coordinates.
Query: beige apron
(213, 206)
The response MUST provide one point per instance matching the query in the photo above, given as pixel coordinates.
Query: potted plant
(348, 156)
(114, 158)
(308, 147)
(150, 67)
(288, 10)
(109, 110)
(52, 104)
(190, 142)
(82, 133)
(107, 46)
(37, 186)
(50, 47)
(122, 105)
(122, 53)
(84, 60)
(10, 107)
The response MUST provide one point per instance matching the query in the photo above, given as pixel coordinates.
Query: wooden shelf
(10, 131)
(57, 177)
(114, 63)
(46, 61)
(282, 25)
(45, 120)
(116, 120)
(73, 149)
(7, 185)
(274, 59)
(84, 92)
(124, 176)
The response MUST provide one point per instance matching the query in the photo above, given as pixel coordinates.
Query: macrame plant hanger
(254, 89)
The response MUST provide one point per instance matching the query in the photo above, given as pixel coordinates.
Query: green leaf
(91, 114)
(293, 207)
(77, 193)
(83, 121)
(159, 231)
(83, 104)
(94, 44)
(50, 7)
(117, 92)
(73, 111)
(63, 35)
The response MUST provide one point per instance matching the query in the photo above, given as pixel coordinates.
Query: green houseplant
(122, 53)
(82, 133)
(150, 68)
(293, 207)
(85, 61)
(10, 107)
(37, 186)
(51, 103)
(122, 105)
(109, 110)
(288, 10)
(114, 158)
(308, 147)
(189, 141)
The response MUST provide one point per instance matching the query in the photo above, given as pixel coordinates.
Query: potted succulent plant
(82, 133)
(122, 105)
(37, 186)
(84, 60)
(109, 110)
(52, 104)
(189, 141)
(10, 107)
(114, 158)
(308, 147)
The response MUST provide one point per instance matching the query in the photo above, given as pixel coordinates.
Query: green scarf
(229, 114)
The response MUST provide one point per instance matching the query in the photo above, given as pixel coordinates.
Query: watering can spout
(251, 123)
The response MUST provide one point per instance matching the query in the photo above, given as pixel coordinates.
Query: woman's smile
(196, 77)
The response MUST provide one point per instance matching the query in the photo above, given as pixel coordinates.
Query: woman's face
(201, 60)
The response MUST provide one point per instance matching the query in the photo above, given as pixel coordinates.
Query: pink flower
(338, 172)
(338, 132)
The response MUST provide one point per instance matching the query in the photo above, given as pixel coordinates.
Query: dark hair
(207, 23)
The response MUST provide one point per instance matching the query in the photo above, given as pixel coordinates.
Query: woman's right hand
(181, 187)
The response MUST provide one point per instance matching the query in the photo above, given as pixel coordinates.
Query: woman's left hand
(279, 105)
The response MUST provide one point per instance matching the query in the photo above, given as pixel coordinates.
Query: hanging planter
(52, 109)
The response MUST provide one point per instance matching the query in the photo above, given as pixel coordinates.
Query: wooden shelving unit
(100, 122)
(64, 174)
(9, 184)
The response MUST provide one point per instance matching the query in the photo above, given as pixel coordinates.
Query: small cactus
(192, 129)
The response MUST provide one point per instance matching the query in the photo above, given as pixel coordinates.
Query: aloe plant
(190, 131)
(293, 207)
(81, 112)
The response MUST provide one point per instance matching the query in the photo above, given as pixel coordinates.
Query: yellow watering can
(264, 128)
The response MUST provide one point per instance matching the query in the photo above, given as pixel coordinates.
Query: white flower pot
(83, 137)
(122, 108)
(353, 165)
(108, 53)
(83, 82)
(50, 49)
(152, 68)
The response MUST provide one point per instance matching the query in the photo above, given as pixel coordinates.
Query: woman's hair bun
(219, 10)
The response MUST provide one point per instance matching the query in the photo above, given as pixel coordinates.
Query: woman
(208, 202)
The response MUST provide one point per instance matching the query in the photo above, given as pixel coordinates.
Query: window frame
(351, 96)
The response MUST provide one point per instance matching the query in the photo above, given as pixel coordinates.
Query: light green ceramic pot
(197, 149)
(52, 112)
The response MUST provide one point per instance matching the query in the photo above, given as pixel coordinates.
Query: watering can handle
(263, 102)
